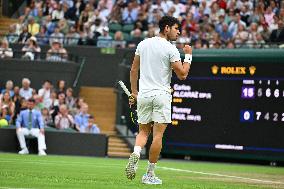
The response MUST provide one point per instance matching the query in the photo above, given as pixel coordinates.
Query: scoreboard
(228, 110)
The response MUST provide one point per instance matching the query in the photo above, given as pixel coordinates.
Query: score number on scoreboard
(260, 92)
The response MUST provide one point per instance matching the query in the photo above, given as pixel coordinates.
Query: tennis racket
(133, 112)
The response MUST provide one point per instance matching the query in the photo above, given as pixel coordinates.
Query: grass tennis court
(32, 171)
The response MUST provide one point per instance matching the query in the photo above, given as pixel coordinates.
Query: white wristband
(187, 58)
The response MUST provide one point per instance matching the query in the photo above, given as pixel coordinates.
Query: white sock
(137, 150)
(151, 168)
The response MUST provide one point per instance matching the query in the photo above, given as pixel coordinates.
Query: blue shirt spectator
(9, 87)
(95, 129)
(92, 127)
(81, 121)
(129, 14)
(23, 119)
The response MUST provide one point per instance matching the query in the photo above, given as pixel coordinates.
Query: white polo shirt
(156, 55)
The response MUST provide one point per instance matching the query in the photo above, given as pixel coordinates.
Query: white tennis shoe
(132, 166)
(41, 153)
(24, 151)
(151, 179)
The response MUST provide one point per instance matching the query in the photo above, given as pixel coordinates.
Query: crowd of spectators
(58, 106)
(124, 23)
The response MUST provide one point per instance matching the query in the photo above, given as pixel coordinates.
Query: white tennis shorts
(154, 108)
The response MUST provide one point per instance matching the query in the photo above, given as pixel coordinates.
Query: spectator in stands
(57, 13)
(31, 49)
(34, 8)
(274, 24)
(54, 107)
(79, 102)
(116, 12)
(24, 104)
(47, 8)
(183, 39)
(5, 51)
(12, 36)
(61, 98)
(135, 39)
(96, 29)
(230, 45)
(19, 25)
(63, 26)
(268, 15)
(40, 17)
(45, 92)
(79, 6)
(254, 16)
(33, 27)
(25, 35)
(7, 102)
(253, 30)
(82, 119)
(225, 34)
(56, 36)
(118, 41)
(233, 26)
(38, 102)
(241, 37)
(59, 101)
(30, 122)
(61, 86)
(278, 34)
(83, 19)
(259, 42)
(72, 37)
(9, 88)
(245, 14)
(5, 118)
(49, 25)
(17, 100)
(63, 120)
(69, 13)
(102, 12)
(57, 52)
(105, 39)
(47, 119)
(215, 40)
(26, 91)
(42, 36)
(92, 127)
(70, 100)
(265, 33)
(141, 22)
(130, 13)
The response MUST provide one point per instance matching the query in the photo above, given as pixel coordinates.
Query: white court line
(221, 175)
(12, 188)
(43, 162)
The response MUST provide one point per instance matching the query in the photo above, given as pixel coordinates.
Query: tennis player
(155, 57)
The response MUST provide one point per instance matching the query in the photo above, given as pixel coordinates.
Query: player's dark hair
(168, 20)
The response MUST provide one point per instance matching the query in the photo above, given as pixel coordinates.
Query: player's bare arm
(134, 76)
(182, 69)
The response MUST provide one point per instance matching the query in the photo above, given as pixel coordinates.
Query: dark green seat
(126, 36)
(113, 27)
(127, 28)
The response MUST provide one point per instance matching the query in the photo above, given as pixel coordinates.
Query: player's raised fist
(187, 49)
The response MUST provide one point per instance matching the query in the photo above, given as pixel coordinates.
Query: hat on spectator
(56, 41)
(33, 38)
(105, 29)
(222, 13)
(4, 106)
